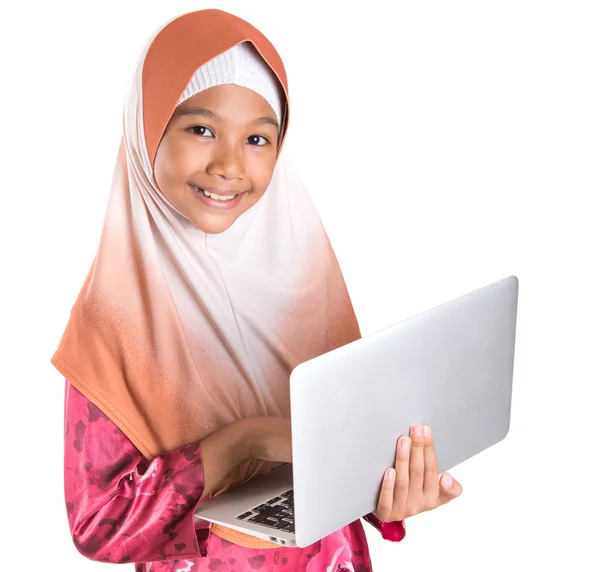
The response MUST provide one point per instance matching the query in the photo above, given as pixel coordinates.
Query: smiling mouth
(215, 196)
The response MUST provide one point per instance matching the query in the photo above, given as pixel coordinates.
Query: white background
(446, 145)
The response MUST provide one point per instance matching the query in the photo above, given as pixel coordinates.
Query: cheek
(260, 171)
(163, 164)
(175, 161)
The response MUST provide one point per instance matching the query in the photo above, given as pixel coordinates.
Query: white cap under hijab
(241, 65)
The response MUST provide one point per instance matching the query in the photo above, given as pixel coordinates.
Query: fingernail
(447, 480)
(417, 430)
(405, 443)
(426, 431)
(389, 474)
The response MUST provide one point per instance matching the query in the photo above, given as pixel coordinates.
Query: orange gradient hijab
(177, 333)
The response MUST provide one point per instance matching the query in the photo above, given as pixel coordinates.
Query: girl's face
(222, 141)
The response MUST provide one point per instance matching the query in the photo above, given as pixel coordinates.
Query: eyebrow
(212, 115)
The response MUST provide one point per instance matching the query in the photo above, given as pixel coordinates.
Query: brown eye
(257, 140)
(201, 130)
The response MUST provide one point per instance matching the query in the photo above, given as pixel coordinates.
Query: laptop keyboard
(277, 512)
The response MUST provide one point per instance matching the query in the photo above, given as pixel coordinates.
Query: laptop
(450, 367)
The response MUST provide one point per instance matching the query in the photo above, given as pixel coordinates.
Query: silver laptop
(450, 367)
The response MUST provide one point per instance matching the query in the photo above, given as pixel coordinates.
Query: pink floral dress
(123, 509)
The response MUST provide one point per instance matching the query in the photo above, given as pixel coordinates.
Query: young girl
(213, 278)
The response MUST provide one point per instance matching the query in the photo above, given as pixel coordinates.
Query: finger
(416, 466)
(449, 488)
(431, 487)
(386, 496)
(402, 474)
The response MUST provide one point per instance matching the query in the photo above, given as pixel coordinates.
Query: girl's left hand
(414, 487)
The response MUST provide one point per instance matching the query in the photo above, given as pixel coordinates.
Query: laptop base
(225, 508)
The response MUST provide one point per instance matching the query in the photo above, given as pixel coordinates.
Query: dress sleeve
(122, 508)
(393, 530)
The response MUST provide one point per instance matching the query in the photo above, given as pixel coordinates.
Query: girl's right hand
(269, 438)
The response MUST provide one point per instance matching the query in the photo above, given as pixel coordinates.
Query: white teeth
(218, 197)
(215, 197)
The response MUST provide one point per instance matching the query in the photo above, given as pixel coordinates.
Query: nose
(227, 162)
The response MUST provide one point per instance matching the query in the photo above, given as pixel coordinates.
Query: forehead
(228, 103)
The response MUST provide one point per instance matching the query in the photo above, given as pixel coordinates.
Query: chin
(212, 226)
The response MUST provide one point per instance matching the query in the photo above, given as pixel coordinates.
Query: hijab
(177, 333)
